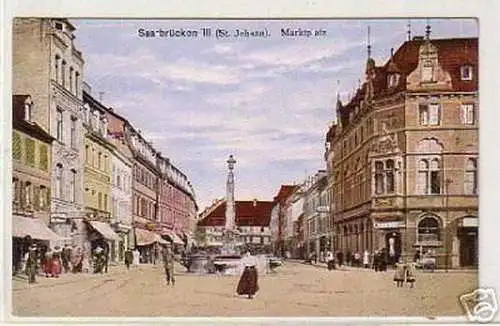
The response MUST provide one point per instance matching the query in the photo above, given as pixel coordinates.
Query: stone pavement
(295, 290)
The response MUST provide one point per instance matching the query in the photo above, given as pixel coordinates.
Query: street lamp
(447, 182)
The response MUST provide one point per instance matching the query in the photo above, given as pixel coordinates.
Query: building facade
(31, 180)
(44, 48)
(253, 220)
(316, 215)
(403, 155)
(283, 210)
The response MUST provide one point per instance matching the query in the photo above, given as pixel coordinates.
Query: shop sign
(470, 222)
(389, 225)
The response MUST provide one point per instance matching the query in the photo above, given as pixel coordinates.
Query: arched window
(59, 181)
(28, 192)
(428, 230)
(72, 185)
(389, 175)
(379, 177)
(470, 178)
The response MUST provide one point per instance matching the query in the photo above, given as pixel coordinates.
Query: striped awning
(35, 228)
(105, 230)
(175, 239)
(144, 237)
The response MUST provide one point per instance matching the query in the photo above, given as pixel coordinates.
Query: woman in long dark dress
(249, 280)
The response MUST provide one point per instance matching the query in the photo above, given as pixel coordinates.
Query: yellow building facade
(97, 176)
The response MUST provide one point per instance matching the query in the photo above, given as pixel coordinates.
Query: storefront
(467, 234)
(40, 234)
(148, 243)
(389, 236)
(100, 234)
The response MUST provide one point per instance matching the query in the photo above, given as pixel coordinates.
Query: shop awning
(144, 237)
(160, 240)
(105, 230)
(35, 228)
(175, 239)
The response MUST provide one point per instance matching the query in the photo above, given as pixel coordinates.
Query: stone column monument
(229, 235)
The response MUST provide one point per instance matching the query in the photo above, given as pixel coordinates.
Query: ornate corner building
(403, 155)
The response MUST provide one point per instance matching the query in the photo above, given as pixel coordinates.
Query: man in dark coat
(129, 258)
(168, 264)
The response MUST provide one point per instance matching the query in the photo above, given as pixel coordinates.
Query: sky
(266, 100)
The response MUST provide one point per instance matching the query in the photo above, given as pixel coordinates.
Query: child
(399, 274)
(410, 274)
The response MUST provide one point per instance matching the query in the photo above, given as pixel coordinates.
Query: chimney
(255, 202)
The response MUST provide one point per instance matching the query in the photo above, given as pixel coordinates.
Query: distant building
(252, 222)
(281, 206)
(403, 155)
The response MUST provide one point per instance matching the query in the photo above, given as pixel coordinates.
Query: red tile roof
(285, 192)
(248, 213)
(453, 53)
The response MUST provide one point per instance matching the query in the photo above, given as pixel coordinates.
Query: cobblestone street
(295, 290)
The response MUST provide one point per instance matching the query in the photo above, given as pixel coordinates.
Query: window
(99, 200)
(42, 199)
(99, 160)
(73, 132)
(71, 79)
(427, 72)
(87, 153)
(118, 184)
(72, 186)
(59, 125)
(389, 175)
(105, 202)
(429, 177)
(470, 179)
(428, 230)
(393, 80)
(379, 177)
(466, 73)
(28, 193)
(59, 175)
(63, 73)
(15, 188)
(27, 112)
(56, 66)
(77, 76)
(429, 114)
(59, 26)
(467, 114)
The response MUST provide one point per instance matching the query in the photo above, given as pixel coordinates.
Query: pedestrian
(31, 264)
(400, 273)
(357, 259)
(168, 264)
(47, 264)
(249, 280)
(330, 260)
(56, 266)
(136, 257)
(129, 258)
(340, 258)
(348, 258)
(366, 259)
(410, 274)
(77, 260)
(105, 258)
(66, 257)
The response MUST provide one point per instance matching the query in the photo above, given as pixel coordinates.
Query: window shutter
(36, 197)
(22, 191)
(463, 114)
(48, 198)
(422, 183)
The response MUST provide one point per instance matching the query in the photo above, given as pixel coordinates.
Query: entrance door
(393, 238)
(468, 247)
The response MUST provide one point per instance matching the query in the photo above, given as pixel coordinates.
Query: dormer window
(466, 72)
(59, 26)
(27, 112)
(427, 72)
(393, 80)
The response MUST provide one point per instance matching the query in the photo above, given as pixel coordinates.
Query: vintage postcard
(246, 167)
